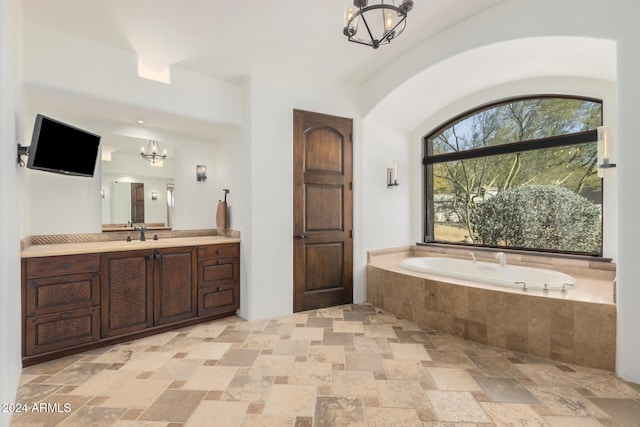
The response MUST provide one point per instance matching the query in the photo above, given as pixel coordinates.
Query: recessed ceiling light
(141, 122)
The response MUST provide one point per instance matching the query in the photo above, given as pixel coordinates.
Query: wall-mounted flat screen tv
(61, 148)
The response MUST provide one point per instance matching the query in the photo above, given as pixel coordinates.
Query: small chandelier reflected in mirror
(152, 153)
(376, 24)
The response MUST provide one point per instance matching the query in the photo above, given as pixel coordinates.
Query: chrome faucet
(503, 259)
(473, 256)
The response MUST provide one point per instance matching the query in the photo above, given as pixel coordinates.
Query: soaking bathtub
(491, 273)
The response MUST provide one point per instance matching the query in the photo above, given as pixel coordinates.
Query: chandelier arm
(366, 24)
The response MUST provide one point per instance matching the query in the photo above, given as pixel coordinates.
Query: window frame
(563, 140)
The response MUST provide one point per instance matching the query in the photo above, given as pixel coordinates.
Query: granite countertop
(34, 251)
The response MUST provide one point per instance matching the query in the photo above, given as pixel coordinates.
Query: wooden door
(175, 287)
(323, 210)
(127, 292)
(137, 202)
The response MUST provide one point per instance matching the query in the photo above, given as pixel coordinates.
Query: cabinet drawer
(217, 300)
(216, 272)
(62, 293)
(228, 250)
(61, 330)
(62, 265)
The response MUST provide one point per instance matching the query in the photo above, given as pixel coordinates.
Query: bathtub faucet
(473, 256)
(503, 259)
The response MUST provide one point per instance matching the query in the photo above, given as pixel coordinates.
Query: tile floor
(343, 366)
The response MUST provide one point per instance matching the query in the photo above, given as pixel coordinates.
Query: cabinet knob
(65, 265)
(219, 251)
(65, 315)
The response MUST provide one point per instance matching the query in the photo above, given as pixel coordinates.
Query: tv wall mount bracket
(22, 151)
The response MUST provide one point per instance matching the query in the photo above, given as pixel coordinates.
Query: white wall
(10, 339)
(387, 216)
(268, 244)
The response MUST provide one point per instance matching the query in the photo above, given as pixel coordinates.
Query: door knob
(300, 236)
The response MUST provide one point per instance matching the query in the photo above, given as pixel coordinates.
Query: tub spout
(503, 259)
(473, 256)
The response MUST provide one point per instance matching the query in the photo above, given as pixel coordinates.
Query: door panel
(323, 210)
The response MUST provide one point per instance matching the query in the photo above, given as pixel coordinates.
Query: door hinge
(350, 185)
(351, 234)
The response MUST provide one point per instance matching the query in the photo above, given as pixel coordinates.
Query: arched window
(517, 174)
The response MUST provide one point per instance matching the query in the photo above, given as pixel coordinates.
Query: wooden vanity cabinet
(61, 302)
(73, 303)
(218, 279)
(148, 288)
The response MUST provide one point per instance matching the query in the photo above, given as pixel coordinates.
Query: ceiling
(230, 39)
(227, 40)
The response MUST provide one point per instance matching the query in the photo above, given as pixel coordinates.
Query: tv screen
(61, 148)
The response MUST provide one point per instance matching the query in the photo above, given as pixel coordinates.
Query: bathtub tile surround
(354, 365)
(578, 326)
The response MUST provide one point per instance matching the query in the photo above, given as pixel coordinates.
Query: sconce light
(604, 147)
(392, 176)
(102, 193)
(154, 195)
(201, 173)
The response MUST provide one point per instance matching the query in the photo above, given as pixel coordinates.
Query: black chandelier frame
(363, 7)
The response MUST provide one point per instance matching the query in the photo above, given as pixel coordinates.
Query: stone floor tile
(225, 414)
(456, 406)
(453, 379)
(173, 406)
(401, 394)
(513, 414)
(409, 351)
(311, 373)
(239, 357)
(211, 378)
(354, 383)
(625, 411)
(506, 390)
(339, 411)
(297, 400)
(355, 361)
(384, 417)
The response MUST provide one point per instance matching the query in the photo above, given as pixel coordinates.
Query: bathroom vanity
(79, 296)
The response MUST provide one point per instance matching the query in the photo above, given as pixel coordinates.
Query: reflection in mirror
(150, 203)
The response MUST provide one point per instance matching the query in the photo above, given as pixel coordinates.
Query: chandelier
(376, 24)
(152, 152)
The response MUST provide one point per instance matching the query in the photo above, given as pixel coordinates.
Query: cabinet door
(175, 287)
(127, 292)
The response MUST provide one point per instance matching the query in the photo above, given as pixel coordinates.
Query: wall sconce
(154, 195)
(604, 147)
(201, 173)
(392, 176)
(102, 193)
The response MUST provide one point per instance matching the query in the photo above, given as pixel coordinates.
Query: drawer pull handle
(65, 315)
(65, 265)
(218, 289)
(219, 251)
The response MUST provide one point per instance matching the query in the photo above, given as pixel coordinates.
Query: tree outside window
(519, 174)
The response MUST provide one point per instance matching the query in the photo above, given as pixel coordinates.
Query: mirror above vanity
(135, 190)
